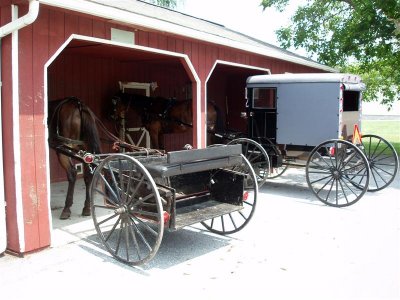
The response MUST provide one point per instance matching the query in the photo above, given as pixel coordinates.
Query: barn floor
(76, 227)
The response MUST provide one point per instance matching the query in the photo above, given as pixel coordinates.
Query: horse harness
(147, 116)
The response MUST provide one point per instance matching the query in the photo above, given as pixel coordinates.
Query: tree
(358, 36)
(164, 3)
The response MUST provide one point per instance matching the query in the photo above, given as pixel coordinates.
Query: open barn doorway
(225, 86)
(93, 70)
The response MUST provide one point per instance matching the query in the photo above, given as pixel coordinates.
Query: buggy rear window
(351, 100)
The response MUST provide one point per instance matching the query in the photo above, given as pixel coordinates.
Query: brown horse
(73, 124)
(161, 115)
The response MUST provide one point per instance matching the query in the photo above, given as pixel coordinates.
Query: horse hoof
(86, 211)
(66, 213)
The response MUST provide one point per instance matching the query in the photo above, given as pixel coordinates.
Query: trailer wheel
(383, 161)
(126, 209)
(235, 221)
(337, 172)
(257, 156)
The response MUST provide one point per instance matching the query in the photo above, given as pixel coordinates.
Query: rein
(117, 141)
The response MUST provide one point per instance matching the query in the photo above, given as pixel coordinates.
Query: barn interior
(226, 87)
(92, 71)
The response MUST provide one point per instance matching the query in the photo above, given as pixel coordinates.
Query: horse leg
(154, 140)
(66, 163)
(87, 176)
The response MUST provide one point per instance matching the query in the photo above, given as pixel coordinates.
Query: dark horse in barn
(161, 115)
(72, 124)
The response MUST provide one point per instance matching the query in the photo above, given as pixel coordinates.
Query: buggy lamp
(88, 158)
(332, 151)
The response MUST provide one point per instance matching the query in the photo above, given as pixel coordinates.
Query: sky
(245, 16)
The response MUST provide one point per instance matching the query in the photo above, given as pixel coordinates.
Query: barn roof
(151, 16)
(306, 77)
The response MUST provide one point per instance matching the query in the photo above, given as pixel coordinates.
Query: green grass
(388, 129)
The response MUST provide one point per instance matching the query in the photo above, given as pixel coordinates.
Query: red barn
(55, 48)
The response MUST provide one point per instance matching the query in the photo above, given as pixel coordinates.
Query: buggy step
(189, 215)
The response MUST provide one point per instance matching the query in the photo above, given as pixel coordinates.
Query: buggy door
(262, 113)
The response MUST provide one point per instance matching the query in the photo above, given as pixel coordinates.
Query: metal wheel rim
(233, 222)
(127, 214)
(383, 161)
(277, 172)
(340, 178)
(257, 156)
(274, 172)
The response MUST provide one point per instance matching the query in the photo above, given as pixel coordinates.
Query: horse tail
(89, 130)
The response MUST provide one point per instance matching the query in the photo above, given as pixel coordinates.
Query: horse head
(212, 117)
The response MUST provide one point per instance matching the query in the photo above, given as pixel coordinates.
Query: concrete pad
(294, 248)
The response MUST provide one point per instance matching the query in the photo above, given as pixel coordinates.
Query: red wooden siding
(94, 79)
(8, 146)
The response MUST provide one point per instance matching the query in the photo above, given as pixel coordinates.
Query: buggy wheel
(235, 221)
(337, 172)
(383, 161)
(126, 209)
(278, 171)
(257, 156)
(273, 151)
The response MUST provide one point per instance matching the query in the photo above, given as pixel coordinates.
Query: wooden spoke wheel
(382, 159)
(257, 156)
(337, 172)
(126, 209)
(235, 221)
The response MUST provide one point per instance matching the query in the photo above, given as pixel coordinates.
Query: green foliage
(362, 36)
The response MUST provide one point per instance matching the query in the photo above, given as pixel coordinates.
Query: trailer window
(264, 98)
(351, 100)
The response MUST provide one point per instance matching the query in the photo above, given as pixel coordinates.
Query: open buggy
(135, 195)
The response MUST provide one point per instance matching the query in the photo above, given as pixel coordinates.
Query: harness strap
(61, 139)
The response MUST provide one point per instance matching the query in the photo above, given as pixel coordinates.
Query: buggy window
(351, 100)
(264, 98)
